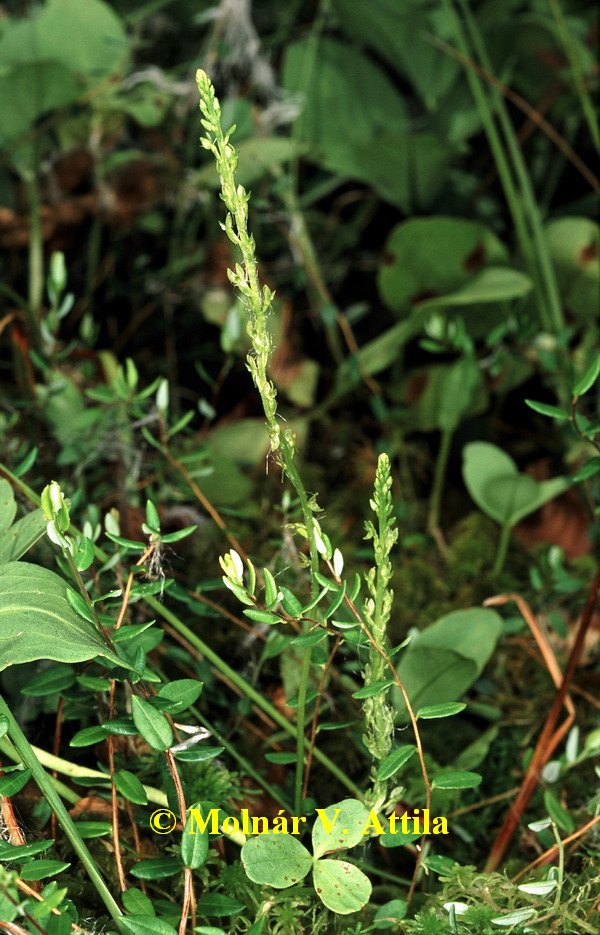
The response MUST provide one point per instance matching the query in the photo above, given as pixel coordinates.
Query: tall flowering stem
(379, 716)
(258, 300)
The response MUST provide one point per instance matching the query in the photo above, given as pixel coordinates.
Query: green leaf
(88, 736)
(14, 782)
(284, 759)
(8, 506)
(198, 754)
(79, 606)
(574, 249)
(587, 380)
(494, 482)
(136, 902)
(395, 761)
(290, 603)
(389, 914)
(89, 41)
(339, 827)
(263, 616)
(93, 829)
(152, 725)
(41, 869)
(341, 886)
(439, 256)
(84, 556)
(558, 814)
(440, 710)
(457, 780)
(146, 925)
(11, 852)
(218, 905)
(443, 660)
(130, 786)
(541, 888)
(21, 536)
(398, 33)
(37, 621)
(494, 284)
(57, 678)
(514, 918)
(278, 861)
(545, 410)
(369, 691)
(156, 868)
(194, 844)
(182, 693)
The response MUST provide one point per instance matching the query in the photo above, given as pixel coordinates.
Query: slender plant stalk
(502, 549)
(29, 759)
(532, 211)
(439, 477)
(587, 105)
(258, 302)
(379, 716)
(36, 259)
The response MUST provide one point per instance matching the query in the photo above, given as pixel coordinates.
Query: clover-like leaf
(279, 861)
(341, 886)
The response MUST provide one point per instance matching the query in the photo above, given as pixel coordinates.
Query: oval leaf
(37, 621)
(341, 886)
(154, 728)
(279, 861)
(456, 780)
(339, 827)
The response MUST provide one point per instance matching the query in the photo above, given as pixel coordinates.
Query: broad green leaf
(41, 869)
(279, 860)
(575, 250)
(444, 659)
(89, 39)
(130, 786)
(456, 780)
(37, 621)
(34, 89)
(244, 442)
(339, 827)
(341, 886)
(494, 284)
(218, 905)
(136, 902)
(399, 33)
(434, 257)
(388, 915)
(495, 484)
(181, 693)
(8, 506)
(152, 725)
(21, 536)
(395, 761)
(156, 868)
(194, 843)
(55, 679)
(348, 101)
(141, 924)
(20, 851)
(460, 382)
